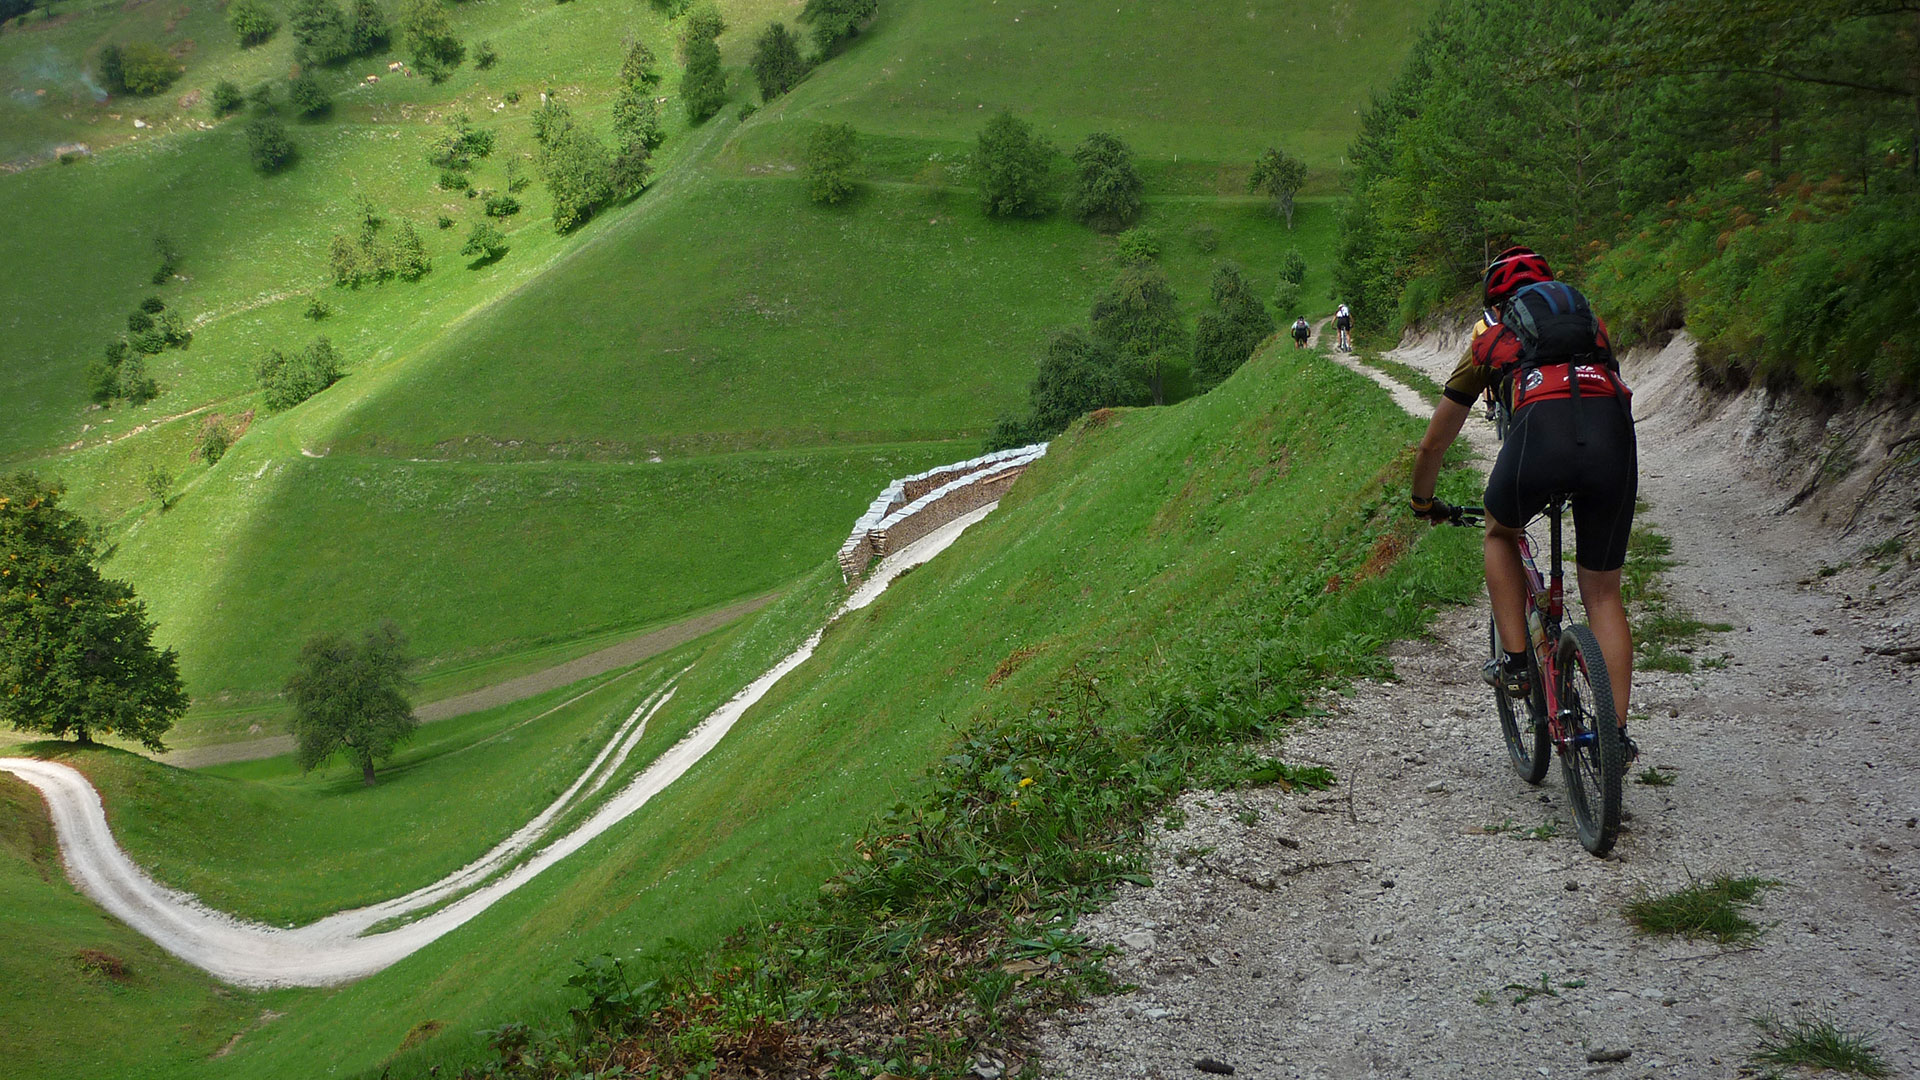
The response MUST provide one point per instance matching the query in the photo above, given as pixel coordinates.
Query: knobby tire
(1527, 747)
(1594, 767)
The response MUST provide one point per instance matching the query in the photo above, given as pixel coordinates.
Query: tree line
(1746, 168)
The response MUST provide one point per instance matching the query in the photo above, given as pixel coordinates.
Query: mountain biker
(1563, 437)
(1301, 331)
(1343, 322)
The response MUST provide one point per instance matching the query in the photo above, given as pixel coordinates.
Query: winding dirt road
(340, 948)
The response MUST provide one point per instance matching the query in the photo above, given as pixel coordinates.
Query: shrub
(410, 261)
(451, 180)
(443, 222)
(103, 374)
(171, 330)
(288, 381)
(146, 342)
(484, 55)
(1138, 246)
(136, 385)
(1227, 335)
(1204, 237)
(252, 22)
(224, 98)
(153, 305)
(486, 243)
(343, 259)
(138, 321)
(832, 162)
(632, 168)
(461, 145)
(110, 67)
(307, 96)
(1012, 164)
(777, 64)
(511, 97)
(267, 143)
(551, 120)
(147, 69)
(1106, 186)
(317, 309)
(500, 206)
(215, 440)
(261, 98)
(1286, 298)
(159, 484)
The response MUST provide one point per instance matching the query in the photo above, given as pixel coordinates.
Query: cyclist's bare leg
(1506, 585)
(1607, 616)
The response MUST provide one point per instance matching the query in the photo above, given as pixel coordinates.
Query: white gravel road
(1433, 916)
(339, 948)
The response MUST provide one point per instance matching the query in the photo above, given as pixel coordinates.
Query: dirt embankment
(1433, 916)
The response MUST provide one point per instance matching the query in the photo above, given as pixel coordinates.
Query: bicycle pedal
(1585, 738)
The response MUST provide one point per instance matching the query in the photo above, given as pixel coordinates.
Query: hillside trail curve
(346, 946)
(1432, 916)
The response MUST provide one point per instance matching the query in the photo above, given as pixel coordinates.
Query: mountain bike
(1571, 707)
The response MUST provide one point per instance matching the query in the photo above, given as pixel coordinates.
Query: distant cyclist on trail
(1570, 432)
(1343, 322)
(1301, 331)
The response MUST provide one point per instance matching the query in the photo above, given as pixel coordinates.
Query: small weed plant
(1652, 777)
(1816, 1043)
(1664, 633)
(1704, 909)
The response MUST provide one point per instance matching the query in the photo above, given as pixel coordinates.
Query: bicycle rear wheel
(1594, 760)
(1522, 723)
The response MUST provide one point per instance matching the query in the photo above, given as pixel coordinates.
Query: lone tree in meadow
(1106, 186)
(429, 37)
(1279, 176)
(1012, 163)
(76, 649)
(777, 63)
(352, 698)
(267, 143)
(832, 161)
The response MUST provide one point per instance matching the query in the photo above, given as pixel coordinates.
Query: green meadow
(685, 402)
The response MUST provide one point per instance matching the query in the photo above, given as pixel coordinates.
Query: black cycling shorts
(1344, 322)
(1541, 458)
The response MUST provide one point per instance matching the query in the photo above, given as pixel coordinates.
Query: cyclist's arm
(1448, 417)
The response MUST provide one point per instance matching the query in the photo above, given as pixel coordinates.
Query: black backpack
(1555, 325)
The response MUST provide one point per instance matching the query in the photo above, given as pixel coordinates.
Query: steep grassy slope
(1256, 525)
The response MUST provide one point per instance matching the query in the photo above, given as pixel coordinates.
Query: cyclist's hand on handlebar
(1435, 511)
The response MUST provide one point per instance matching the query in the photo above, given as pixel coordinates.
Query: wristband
(1421, 505)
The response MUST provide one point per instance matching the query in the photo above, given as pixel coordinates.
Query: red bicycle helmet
(1511, 269)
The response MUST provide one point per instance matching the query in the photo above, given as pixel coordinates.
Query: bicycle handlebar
(1467, 516)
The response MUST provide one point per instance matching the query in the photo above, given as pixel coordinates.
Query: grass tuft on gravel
(1703, 909)
(1816, 1042)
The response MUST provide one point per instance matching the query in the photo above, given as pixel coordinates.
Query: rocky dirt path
(1433, 916)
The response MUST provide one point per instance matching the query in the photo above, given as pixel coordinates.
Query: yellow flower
(1026, 781)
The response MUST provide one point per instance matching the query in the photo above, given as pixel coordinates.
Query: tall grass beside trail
(1166, 592)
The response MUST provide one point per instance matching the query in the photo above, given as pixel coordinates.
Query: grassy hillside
(1258, 524)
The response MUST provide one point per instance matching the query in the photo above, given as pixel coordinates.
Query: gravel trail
(340, 948)
(1433, 915)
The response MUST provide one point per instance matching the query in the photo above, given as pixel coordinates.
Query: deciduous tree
(834, 21)
(832, 161)
(1279, 176)
(703, 85)
(76, 648)
(777, 63)
(1106, 186)
(1140, 318)
(1012, 163)
(1227, 335)
(321, 34)
(268, 144)
(351, 698)
(252, 21)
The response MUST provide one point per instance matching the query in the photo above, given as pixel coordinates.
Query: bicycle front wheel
(1522, 722)
(1594, 760)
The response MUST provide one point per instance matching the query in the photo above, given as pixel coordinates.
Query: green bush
(225, 98)
(136, 385)
(287, 381)
(215, 440)
(832, 160)
(484, 55)
(579, 175)
(777, 64)
(1138, 245)
(252, 21)
(147, 69)
(486, 243)
(703, 86)
(500, 206)
(307, 96)
(268, 145)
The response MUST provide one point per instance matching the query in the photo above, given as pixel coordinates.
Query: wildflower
(1026, 781)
